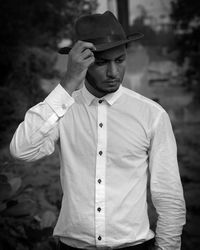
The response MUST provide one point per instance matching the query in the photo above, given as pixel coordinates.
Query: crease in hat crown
(103, 30)
(97, 26)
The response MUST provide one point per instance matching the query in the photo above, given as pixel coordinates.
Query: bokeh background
(164, 66)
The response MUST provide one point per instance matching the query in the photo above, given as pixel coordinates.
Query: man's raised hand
(80, 58)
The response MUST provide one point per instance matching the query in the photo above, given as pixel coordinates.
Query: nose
(112, 70)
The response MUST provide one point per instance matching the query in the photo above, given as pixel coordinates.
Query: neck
(93, 91)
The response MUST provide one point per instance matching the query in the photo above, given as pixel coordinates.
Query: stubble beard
(93, 86)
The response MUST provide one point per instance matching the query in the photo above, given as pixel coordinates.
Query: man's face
(107, 72)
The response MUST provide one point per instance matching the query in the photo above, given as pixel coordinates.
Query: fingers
(82, 51)
(87, 53)
(89, 61)
(81, 46)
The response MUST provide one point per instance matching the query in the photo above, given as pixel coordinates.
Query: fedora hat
(103, 30)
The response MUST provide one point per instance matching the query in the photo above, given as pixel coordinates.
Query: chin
(112, 89)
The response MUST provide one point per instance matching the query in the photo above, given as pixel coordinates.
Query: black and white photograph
(100, 125)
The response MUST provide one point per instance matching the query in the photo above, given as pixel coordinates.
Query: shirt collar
(109, 98)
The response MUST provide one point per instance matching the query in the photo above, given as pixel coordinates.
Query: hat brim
(106, 46)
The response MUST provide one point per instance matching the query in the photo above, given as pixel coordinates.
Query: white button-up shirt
(107, 147)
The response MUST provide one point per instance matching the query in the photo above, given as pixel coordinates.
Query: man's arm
(37, 134)
(166, 187)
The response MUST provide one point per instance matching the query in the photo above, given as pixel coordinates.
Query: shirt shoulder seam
(142, 98)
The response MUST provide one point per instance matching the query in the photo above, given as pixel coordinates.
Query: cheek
(97, 74)
(122, 70)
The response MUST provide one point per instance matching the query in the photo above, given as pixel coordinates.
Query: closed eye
(120, 60)
(100, 62)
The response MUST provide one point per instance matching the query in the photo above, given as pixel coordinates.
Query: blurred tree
(186, 15)
(139, 25)
(26, 23)
(30, 32)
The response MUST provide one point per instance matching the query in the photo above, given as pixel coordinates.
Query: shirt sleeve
(36, 136)
(165, 184)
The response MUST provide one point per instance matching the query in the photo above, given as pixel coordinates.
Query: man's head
(108, 36)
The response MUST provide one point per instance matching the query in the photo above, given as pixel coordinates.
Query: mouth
(112, 81)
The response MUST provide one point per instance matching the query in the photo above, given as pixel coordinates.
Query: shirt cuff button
(64, 106)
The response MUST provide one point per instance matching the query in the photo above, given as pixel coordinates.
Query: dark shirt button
(100, 101)
(101, 124)
(99, 209)
(99, 238)
(99, 181)
(100, 152)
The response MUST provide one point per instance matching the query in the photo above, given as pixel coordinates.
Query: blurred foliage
(186, 15)
(21, 225)
(30, 33)
(140, 26)
(160, 39)
(26, 23)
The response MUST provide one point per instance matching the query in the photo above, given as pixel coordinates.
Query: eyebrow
(107, 59)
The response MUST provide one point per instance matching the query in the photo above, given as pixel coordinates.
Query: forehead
(112, 53)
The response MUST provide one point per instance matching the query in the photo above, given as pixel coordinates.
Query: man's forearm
(36, 135)
(171, 218)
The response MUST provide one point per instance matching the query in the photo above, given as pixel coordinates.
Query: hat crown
(103, 30)
(95, 26)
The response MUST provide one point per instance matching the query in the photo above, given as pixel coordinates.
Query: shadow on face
(106, 74)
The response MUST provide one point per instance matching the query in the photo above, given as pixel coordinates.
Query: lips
(112, 81)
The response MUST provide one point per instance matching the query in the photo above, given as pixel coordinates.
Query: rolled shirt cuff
(59, 100)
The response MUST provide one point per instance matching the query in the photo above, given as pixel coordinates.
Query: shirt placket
(100, 174)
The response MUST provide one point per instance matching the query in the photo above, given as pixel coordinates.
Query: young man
(109, 138)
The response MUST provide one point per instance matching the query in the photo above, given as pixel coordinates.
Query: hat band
(105, 39)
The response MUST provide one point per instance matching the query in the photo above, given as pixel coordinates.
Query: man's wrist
(69, 86)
